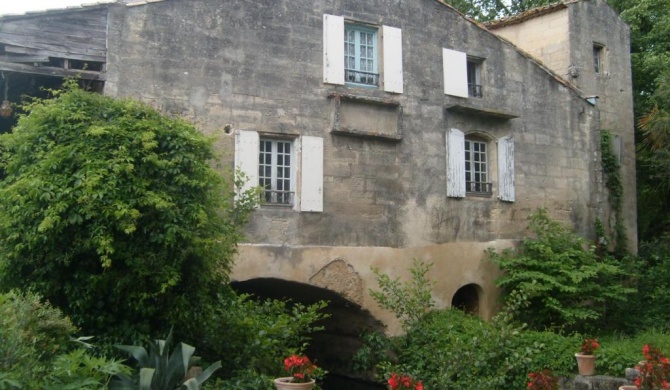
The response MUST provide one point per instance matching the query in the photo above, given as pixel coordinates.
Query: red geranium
(589, 346)
(302, 369)
(542, 380)
(654, 370)
(403, 382)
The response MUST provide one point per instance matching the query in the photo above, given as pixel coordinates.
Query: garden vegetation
(118, 217)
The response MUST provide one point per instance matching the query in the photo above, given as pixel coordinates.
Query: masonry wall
(545, 37)
(564, 40)
(594, 22)
(258, 66)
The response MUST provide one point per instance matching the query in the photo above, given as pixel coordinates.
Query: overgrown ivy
(613, 182)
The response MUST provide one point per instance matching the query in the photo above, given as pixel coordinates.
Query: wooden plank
(76, 35)
(49, 71)
(23, 59)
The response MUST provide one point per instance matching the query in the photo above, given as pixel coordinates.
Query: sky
(21, 6)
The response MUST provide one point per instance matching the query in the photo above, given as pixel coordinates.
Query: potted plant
(303, 374)
(403, 382)
(542, 380)
(586, 359)
(654, 370)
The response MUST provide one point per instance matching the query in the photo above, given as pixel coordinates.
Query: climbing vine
(613, 182)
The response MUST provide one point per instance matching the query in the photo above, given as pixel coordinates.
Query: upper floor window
(360, 55)
(474, 68)
(275, 166)
(462, 74)
(477, 167)
(598, 57)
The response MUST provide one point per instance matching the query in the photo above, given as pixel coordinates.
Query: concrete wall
(258, 66)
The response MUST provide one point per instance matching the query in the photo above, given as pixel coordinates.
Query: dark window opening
(474, 78)
(467, 299)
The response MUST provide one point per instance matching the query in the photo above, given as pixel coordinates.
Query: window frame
(474, 76)
(598, 58)
(473, 167)
(274, 196)
(358, 29)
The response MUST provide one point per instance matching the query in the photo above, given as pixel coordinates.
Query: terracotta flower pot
(285, 384)
(586, 364)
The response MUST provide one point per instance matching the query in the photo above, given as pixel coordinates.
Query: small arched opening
(466, 298)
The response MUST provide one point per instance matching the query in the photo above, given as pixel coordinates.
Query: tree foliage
(488, 10)
(567, 284)
(112, 212)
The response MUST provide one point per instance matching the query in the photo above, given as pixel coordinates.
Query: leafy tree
(567, 284)
(488, 10)
(654, 164)
(113, 213)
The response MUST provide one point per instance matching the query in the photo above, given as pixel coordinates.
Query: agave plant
(161, 370)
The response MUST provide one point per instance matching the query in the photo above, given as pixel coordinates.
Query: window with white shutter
(506, 169)
(455, 163)
(455, 68)
(272, 164)
(351, 54)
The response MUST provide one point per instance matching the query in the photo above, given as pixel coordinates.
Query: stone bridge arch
(335, 346)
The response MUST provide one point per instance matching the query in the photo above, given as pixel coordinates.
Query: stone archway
(467, 298)
(335, 346)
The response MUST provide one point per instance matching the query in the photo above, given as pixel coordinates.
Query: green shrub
(448, 349)
(114, 214)
(409, 301)
(255, 336)
(619, 352)
(32, 333)
(569, 287)
(451, 349)
(37, 352)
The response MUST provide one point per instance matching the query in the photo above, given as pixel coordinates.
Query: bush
(36, 350)
(451, 349)
(568, 285)
(448, 349)
(113, 213)
(253, 337)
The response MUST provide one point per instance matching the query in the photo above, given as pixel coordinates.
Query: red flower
(403, 382)
(301, 369)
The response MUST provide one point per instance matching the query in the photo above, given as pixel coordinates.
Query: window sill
(481, 111)
(479, 194)
(366, 116)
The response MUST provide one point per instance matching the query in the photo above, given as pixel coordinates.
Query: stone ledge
(596, 382)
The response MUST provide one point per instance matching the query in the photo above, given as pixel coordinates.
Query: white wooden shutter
(333, 49)
(455, 66)
(506, 169)
(455, 163)
(311, 191)
(392, 47)
(247, 144)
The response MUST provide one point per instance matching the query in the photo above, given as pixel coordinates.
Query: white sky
(21, 6)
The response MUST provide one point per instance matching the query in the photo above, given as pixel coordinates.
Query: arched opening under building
(334, 347)
(466, 298)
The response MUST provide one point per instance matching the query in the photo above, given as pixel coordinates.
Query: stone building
(383, 130)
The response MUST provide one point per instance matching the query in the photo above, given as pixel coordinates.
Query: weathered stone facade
(564, 37)
(259, 67)
(378, 172)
